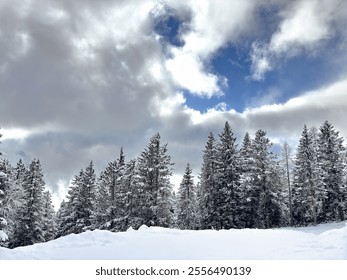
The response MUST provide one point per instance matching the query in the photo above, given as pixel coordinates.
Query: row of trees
(239, 187)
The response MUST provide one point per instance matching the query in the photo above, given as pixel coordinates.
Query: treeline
(242, 185)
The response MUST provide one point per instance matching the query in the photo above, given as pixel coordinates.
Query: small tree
(186, 202)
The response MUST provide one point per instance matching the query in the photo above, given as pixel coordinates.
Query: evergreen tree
(306, 196)
(186, 202)
(286, 171)
(210, 216)
(249, 212)
(228, 179)
(86, 186)
(62, 220)
(79, 212)
(134, 195)
(3, 221)
(154, 167)
(331, 171)
(104, 209)
(13, 198)
(30, 229)
(261, 185)
(49, 226)
(266, 182)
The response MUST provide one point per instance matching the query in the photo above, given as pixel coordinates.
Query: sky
(81, 79)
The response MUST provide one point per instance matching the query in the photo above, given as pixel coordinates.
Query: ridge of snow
(327, 241)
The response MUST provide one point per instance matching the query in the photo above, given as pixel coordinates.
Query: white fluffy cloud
(305, 25)
(211, 26)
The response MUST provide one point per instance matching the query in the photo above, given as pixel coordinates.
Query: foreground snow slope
(327, 241)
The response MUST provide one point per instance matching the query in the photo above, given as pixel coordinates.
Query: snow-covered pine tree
(186, 202)
(86, 186)
(286, 164)
(306, 198)
(134, 195)
(102, 202)
(154, 167)
(13, 198)
(3, 221)
(62, 220)
(209, 213)
(228, 179)
(121, 196)
(249, 206)
(78, 214)
(49, 227)
(331, 171)
(266, 182)
(261, 202)
(114, 203)
(30, 229)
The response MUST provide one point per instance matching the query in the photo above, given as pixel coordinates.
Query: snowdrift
(328, 241)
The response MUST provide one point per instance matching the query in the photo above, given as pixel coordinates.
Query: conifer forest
(242, 183)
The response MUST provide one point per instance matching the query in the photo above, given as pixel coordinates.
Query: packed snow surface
(328, 241)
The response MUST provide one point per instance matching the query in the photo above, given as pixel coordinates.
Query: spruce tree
(86, 187)
(331, 173)
(249, 212)
(30, 229)
(286, 171)
(49, 226)
(262, 204)
(306, 196)
(266, 182)
(134, 195)
(228, 179)
(3, 221)
(186, 202)
(79, 212)
(154, 167)
(210, 216)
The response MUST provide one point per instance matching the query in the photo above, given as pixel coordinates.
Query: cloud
(304, 27)
(80, 79)
(208, 28)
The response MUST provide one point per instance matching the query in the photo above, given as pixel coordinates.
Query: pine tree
(306, 196)
(120, 196)
(262, 204)
(287, 166)
(186, 202)
(134, 195)
(266, 182)
(154, 167)
(249, 212)
(13, 198)
(331, 170)
(228, 179)
(209, 215)
(79, 212)
(30, 229)
(3, 221)
(49, 226)
(103, 206)
(84, 205)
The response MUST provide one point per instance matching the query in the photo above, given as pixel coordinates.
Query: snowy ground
(328, 241)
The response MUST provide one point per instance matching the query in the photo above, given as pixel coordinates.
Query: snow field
(322, 242)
